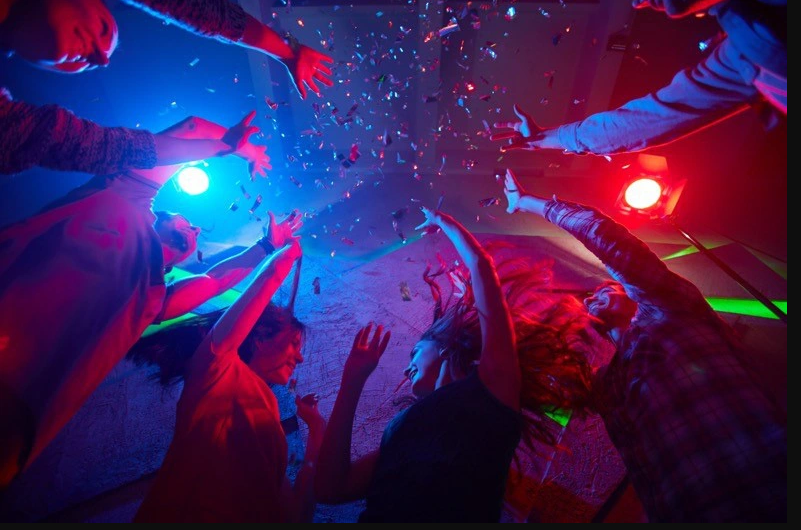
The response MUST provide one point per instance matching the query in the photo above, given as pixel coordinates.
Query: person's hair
(171, 348)
(552, 344)
(176, 241)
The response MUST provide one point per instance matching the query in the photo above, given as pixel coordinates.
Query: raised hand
(238, 136)
(307, 68)
(308, 412)
(513, 191)
(278, 233)
(366, 352)
(432, 220)
(520, 134)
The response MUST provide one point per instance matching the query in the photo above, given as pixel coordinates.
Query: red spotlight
(648, 191)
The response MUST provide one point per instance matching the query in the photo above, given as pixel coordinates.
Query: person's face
(178, 239)
(68, 36)
(275, 358)
(423, 369)
(611, 305)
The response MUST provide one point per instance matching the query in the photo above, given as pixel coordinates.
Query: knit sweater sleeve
(53, 137)
(220, 19)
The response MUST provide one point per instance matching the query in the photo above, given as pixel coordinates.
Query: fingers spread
(313, 86)
(324, 80)
(383, 346)
(376, 337)
(504, 135)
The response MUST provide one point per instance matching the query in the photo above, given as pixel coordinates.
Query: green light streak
(740, 306)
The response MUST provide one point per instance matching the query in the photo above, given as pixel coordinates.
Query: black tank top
(445, 458)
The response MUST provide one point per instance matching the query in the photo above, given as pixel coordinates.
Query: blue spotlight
(193, 180)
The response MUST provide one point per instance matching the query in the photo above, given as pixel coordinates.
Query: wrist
(224, 149)
(265, 243)
(292, 43)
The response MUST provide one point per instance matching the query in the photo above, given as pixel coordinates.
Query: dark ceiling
(415, 109)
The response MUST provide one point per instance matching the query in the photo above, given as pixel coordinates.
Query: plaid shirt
(700, 441)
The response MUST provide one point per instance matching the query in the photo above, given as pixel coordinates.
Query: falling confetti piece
(447, 30)
(316, 285)
(234, 207)
(194, 61)
(491, 201)
(256, 204)
(406, 294)
(200, 256)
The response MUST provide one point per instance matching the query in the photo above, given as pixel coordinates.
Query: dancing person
(701, 439)
(228, 457)
(92, 265)
(749, 65)
(482, 367)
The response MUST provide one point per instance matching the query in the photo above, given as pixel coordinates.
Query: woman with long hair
(228, 457)
(486, 374)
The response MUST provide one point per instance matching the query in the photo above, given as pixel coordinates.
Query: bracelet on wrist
(292, 42)
(264, 243)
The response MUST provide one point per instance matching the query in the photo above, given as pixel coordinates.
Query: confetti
(256, 204)
(491, 201)
(194, 61)
(234, 207)
(406, 294)
(316, 285)
(447, 30)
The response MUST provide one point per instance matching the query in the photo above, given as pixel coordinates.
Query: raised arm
(238, 320)
(188, 293)
(300, 495)
(228, 22)
(197, 139)
(338, 479)
(499, 368)
(695, 99)
(646, 278)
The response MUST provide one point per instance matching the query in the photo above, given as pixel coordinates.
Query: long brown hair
(552, 346)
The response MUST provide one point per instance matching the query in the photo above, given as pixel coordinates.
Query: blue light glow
(193, 180)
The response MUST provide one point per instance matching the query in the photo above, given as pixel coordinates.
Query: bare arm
(302, 498)
(499, 368)
(233, 327)
(338, 479)
(197, 139)
(188, 293)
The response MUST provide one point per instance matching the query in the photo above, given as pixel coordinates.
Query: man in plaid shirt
(701, 440)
